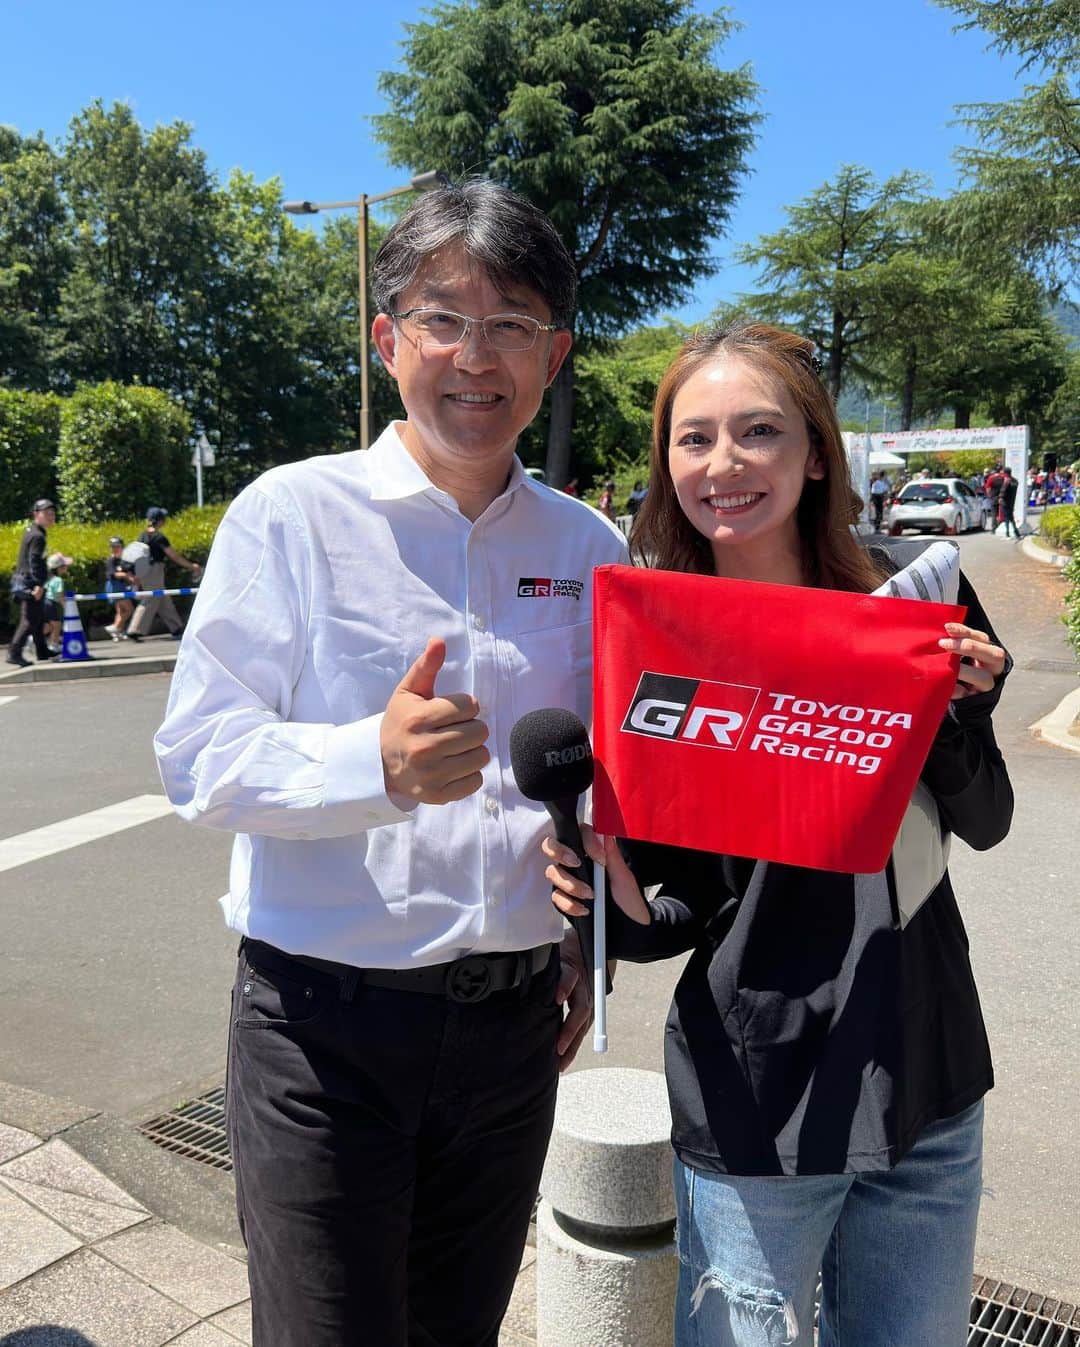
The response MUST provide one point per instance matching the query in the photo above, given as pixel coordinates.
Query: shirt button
(491, 804)
(478, 622)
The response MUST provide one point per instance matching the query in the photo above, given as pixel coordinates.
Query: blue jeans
(895, 1250)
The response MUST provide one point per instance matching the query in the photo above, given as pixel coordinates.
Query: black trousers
(387, 1148)
(31, 623)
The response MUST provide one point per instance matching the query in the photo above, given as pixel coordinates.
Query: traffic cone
(74, 643)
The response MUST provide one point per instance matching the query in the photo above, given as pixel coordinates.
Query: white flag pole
(599, 970)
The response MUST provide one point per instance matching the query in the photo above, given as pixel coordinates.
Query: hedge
(191, 532)
(1059, 524)
(1072, 596)
(121, 449)
(29, 431)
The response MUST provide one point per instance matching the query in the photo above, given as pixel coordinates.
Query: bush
(1059, 524)
(191, 532)
(29, 431)
(121, 450)
(1072, 596)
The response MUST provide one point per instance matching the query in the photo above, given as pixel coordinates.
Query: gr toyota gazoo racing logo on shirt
(691, 710)
(543, 587)
(723, 715)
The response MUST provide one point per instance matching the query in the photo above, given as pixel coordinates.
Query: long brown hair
(663, 537)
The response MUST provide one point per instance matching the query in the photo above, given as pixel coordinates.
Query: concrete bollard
(606, 1266)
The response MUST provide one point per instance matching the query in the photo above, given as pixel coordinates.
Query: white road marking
(73, 832)
(5, 700)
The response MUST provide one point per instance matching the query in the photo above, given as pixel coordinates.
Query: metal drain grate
(1004, 1315)
(195, 1130)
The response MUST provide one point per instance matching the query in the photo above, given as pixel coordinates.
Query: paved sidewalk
(153, 654)
(85, 1264)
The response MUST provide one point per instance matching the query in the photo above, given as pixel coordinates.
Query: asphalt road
(115, 966)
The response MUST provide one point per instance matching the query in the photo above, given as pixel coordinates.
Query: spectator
(57, 566)
(994, 483)
(28, 586)
(119, 577)
(1008, 503)
(633, 501)
(606, 503)
(161, 605)
(571, 488)
(879, 489)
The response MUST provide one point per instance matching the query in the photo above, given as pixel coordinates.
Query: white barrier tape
(131, 594)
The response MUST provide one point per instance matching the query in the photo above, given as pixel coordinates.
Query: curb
(59, 671)
(1056, 727)
(190, 1196)
(1037, 553)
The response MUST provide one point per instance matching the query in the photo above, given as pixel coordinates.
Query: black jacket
(31, 560)
(808, 1034)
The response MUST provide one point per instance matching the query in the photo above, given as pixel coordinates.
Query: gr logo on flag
(692, 710)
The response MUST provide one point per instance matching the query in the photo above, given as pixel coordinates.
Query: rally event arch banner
(782, 723)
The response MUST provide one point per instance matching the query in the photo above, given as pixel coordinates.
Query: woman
(826, 1068)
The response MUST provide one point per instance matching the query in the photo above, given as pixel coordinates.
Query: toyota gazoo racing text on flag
(816, 710)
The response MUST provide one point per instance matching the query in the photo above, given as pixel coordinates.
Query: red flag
(786, 724)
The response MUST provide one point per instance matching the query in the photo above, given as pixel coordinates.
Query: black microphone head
(551, 755)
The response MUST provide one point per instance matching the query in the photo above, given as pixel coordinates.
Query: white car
(943, 504)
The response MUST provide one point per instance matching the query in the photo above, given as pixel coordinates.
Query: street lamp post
(885, 413)
(420, 182)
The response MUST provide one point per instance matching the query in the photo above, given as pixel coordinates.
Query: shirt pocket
(551, 666)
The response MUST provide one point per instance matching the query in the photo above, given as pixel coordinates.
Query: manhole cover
(1051, 666)
(195, 1130)
(1002, 1315)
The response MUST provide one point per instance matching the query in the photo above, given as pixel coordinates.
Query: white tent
(881, 458)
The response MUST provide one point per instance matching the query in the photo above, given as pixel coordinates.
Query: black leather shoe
(18, 661)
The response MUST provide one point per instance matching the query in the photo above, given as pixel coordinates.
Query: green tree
(1004, 357)
(611, 115)
(1023, 193)
(821, 272)
(34, 259)
(952, 335)
(617, 384)
(143, 209)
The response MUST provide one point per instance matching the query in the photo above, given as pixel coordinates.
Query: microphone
(552, 762)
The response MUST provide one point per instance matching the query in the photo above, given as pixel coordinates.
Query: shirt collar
(394, 474)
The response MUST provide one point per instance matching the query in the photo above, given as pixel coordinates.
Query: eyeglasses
(503, 331)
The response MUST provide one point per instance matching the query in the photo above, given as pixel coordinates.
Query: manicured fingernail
(570, 859)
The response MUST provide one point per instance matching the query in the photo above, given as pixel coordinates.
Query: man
(160, 605)
(994, 483)
(878, 488)
(370, 627)
(1008, 503)
(28, 585)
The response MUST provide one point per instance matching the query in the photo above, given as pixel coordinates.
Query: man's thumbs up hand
(432, 747)
(420, 679)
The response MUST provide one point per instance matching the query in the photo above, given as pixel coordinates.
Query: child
(57, 565)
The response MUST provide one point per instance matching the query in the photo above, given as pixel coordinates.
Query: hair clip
(811, 357)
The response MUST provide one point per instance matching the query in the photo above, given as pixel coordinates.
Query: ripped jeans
(895, 1250)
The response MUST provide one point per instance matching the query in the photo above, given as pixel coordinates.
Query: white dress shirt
(326, 579)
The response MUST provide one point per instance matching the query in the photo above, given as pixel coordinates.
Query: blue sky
(285, 89)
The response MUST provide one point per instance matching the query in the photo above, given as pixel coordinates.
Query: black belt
(467, 980)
